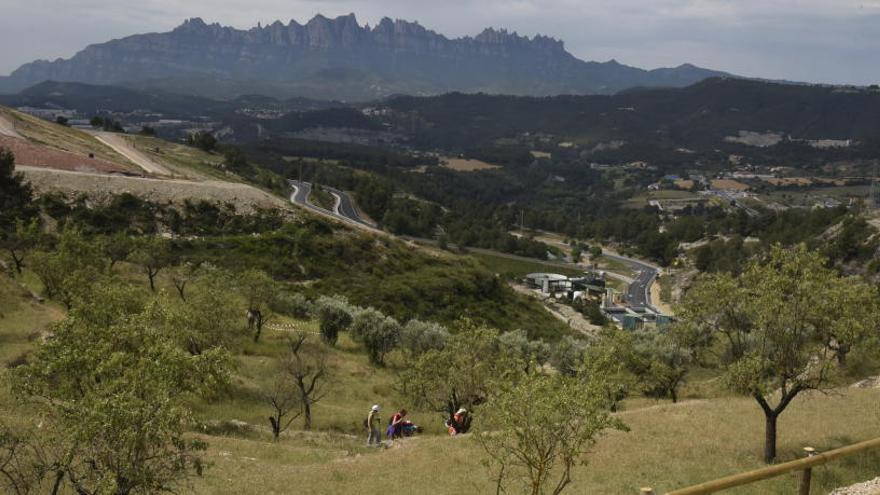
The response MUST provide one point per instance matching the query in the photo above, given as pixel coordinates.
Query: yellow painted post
(806, 474)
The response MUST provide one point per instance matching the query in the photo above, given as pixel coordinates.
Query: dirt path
(7, 127)
(124, 148)
(871, 487)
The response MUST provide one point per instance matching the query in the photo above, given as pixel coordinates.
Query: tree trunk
(258, 324)
(18, 261)
(674, 395)
(842, 352)
(307, 412)
(152, 275)
(276, 427)
(770, 437)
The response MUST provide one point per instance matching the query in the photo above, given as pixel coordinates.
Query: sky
(827, 41)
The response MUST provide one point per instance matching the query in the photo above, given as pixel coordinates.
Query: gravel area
(867, 488)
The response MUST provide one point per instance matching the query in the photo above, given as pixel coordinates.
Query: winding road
(343, 210)
(638, 293)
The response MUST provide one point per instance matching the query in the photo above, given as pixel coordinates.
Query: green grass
(669, 446)
(322, 198)
(613, 265)
(517, 268)
(664, 195)
(181, 159)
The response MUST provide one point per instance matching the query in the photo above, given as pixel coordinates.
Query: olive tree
(301, 383)
(460, 374)
(334, 315)
(209, 318)
(25, 237)
(152, 254)
(259, 291)
(777, 328)
(539, 427)
(379, 333)
(110, 389)
(418, 337)
(70, 268)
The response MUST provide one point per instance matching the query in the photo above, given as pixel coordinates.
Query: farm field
(466, 165)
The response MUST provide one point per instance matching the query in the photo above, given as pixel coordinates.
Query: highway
(344, 209)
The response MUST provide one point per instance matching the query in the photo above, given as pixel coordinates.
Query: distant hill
(93, 99)
(703, 113)
(338, 58)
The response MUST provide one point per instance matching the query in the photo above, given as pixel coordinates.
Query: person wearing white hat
(372, 423)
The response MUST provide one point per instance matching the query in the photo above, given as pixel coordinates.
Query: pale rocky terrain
(97, 186)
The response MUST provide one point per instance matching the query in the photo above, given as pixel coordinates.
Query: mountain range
(340, 59)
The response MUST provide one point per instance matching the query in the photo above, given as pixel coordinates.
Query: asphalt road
(638, 295)
(344, 209)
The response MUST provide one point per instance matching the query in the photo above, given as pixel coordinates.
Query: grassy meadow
(708, 435)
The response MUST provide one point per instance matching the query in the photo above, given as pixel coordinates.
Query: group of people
(400, 426)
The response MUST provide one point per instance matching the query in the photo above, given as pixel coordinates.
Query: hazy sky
(834, 41)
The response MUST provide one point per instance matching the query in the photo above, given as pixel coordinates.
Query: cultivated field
(466, 165)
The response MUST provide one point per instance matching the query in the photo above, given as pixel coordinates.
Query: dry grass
(466, 165)
(184, 161)
(669, 446)
(729, 185)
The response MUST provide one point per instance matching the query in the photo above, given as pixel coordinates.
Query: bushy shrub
(419, 337)
(334, 315)
(379, 333)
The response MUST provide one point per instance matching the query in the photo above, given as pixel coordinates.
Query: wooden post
(806, 474)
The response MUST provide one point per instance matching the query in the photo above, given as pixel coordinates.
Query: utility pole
(522, 221)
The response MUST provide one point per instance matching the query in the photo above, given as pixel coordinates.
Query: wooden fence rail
(804, 465)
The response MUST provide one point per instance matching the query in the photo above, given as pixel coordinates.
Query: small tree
(204, 141)
(152, 254)
(379, 333)
(110, 387)
(116, 247)
(284, 397)
(567, 355)
(774, 327)
(460, 374)
(539, 428)
(661, 362)
(17, 243)
(70, 268)
(418, 337)
(306, 366)
(207, 319)
(182, 275)
(334, 315)
(259, 291)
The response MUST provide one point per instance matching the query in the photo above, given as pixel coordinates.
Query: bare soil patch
(101, 186)
(729, 185)
(35, 155)
(466, 164)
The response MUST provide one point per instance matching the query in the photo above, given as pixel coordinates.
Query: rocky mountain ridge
(395, 56)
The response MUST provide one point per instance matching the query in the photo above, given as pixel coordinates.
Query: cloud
(812, 40)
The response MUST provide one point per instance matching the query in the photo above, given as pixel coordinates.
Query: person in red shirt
(395, 429)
